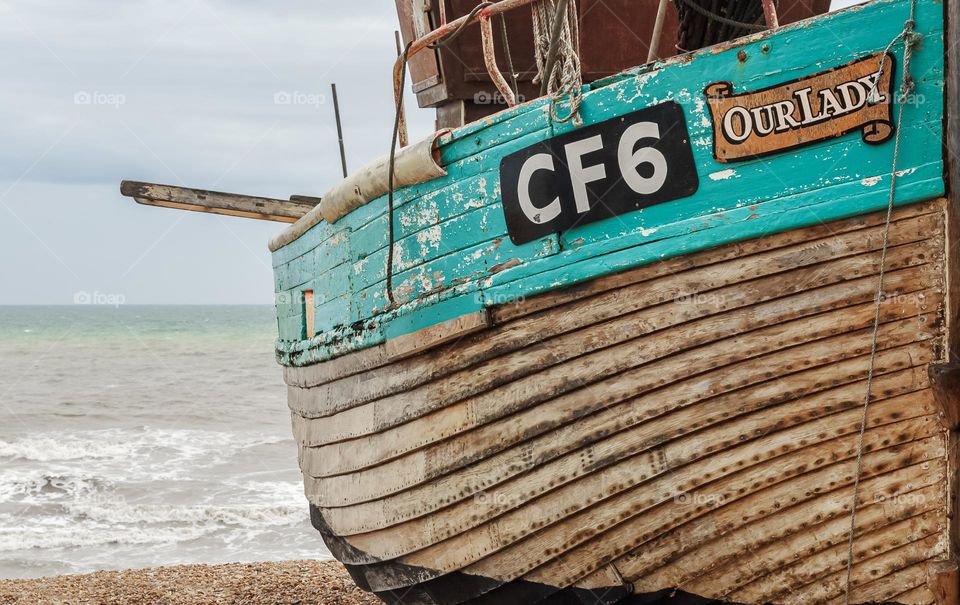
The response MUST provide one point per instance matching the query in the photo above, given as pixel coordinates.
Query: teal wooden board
(452, 254)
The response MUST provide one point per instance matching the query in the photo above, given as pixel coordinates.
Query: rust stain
(513, 262)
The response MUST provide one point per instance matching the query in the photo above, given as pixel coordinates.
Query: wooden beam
(945, 380)
(305, 199)
(943, 578)
(216, 202)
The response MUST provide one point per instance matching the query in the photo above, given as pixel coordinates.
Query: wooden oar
(216, 202)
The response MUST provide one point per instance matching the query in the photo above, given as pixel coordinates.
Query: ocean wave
(28, 538)
(52, 484)
(247, 517)
(121, 444)
(48, 449)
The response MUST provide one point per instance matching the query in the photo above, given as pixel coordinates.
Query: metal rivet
(742, 55)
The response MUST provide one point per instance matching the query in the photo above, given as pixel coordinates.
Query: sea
(139, 436)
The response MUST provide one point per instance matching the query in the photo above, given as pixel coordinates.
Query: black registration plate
(613, 167)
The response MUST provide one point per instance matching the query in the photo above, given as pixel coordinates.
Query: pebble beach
(285, 583)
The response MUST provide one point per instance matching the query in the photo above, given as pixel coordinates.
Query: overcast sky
(180, 92)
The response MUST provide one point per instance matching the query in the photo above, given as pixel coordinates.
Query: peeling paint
(722, 175)
(451, 240)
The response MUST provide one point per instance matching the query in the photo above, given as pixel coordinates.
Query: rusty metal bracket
(770, 14)
(490, 60)
(483, 16)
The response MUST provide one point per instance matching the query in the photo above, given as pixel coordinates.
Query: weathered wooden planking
(777, 585)
(356, 387)
(764, 482)
(530, 388)
(876, 579)
(618, 448)
(502, 550)
(465, 353)
(656, 319)
(351, 337)
(898, 363)
(216, 202)
(698, 554)
(467, 514)
(633, 529)
(670, 369)
(466, 432)
(672, 286)
(859, 178)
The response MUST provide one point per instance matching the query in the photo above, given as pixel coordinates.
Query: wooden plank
(805, 242)
(215, 202)
(702, 559)
(915, 595)
(400, 474)
(451, 424)
(343, 395)
(567, 440)
(778, 586)
(943, 580)
(626, 349)
(547, 547)
(436, 335)
(615, 449)
(758, 502)
(876, 579)
(945, 381)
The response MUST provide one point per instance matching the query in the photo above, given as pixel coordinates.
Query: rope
(506, 53)
(692, 5)
(910, 40)
(449, 38)
(556, 36)
(390, 177)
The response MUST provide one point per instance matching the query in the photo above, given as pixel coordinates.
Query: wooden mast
(217, 202)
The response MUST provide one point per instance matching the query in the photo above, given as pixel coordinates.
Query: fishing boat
(681, 332)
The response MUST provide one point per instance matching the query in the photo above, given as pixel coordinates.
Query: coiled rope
(910, 39)
(692, 5)
(556, 42)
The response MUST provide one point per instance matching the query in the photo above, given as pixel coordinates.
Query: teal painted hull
(453, 256)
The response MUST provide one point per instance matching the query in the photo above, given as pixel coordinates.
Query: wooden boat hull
(664, 402)
(689, 424)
